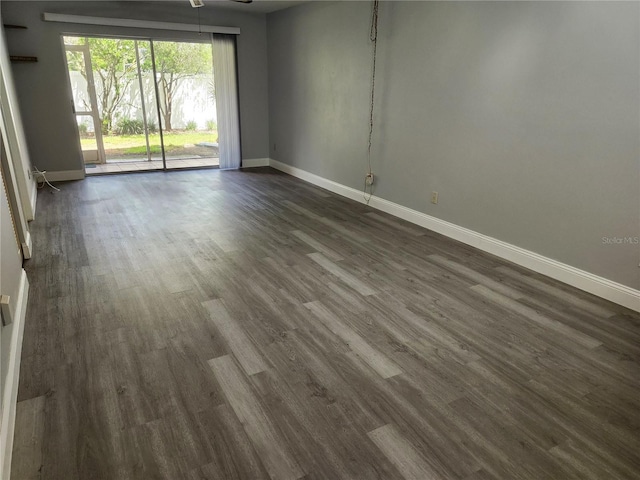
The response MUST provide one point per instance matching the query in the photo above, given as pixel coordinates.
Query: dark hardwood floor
(247, 325)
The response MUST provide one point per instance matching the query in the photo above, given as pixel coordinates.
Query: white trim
(330, 185)
(65, 175)
(255, 162)
(34, 201)
(602, 287)
(130, 23)
(14, 137)
(27, 246)
(10, 391)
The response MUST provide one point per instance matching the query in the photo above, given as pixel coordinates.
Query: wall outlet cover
(368, 178)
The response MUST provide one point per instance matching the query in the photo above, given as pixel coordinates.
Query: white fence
(192, 100)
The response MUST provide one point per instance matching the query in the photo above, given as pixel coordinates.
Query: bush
(211, 125)
(128, 126)
(153, 128)
(83, 128)
(191, 125)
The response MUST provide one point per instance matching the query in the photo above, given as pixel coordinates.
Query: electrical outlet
(434, 197)
(368, 179)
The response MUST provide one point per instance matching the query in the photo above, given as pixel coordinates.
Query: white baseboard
(330, 185)
(33, 200)
(255, 162)
(10, 390)
(594, 284)
(65, 175)
(27, 246)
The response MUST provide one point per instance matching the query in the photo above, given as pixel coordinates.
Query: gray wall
(524, 116)
(43, 90)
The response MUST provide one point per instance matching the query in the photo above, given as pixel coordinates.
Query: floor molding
(65, 175)
(255, 162)
(27, 247)
(594, 284)
(10, 392)
(33, 200)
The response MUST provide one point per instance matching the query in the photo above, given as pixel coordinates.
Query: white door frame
(9, 175)
(93, 98)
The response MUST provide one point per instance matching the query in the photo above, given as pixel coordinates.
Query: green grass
(142, 150)
(136, 145)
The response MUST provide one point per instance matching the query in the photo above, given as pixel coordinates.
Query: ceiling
(258, 6)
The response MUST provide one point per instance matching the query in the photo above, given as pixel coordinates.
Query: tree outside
(113, 64)
(176, 61)
(114, 69)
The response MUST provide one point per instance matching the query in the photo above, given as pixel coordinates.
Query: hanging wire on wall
(373, 37)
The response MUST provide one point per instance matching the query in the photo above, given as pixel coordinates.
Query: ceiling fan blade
(200, 3)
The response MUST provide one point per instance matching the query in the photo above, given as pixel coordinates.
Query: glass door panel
(114, 99)
(84, 103)
(148, 108)
(88, 141)
(79, 85)
(142, 104)
(187, 103)
(117, 67)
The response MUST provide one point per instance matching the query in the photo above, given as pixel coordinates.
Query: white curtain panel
(224, 67)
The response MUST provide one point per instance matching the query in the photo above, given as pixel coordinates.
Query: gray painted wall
(43, 90)
(524, 116)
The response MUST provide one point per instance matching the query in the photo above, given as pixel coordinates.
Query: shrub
(83, 128)
(153, 128)
(191, 125)
(128, 126)
(211, 125)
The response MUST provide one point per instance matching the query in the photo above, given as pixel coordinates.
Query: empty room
(260, 239)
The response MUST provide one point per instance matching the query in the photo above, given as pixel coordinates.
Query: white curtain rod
(126, 22)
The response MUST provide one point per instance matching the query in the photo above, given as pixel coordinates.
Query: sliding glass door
(84, 101)
(114, 103)
(187, 103)
(143, 104)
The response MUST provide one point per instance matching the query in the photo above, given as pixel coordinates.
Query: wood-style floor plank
(402, 454)
(235, 336)
(343, 275)
(376, 360)
(262, 433)
(27, 443)
(531, 314)
(245, 325)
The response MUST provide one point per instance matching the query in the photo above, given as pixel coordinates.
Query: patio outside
(183, 149)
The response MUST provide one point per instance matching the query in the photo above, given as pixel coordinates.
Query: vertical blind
(225, 79)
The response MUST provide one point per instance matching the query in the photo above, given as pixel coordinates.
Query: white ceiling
(257, 6)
